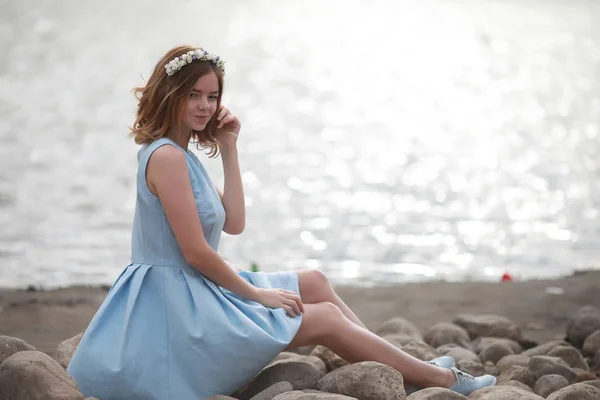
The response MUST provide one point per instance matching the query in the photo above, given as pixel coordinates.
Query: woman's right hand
(281, 298)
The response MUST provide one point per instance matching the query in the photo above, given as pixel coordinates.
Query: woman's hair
(161, 102)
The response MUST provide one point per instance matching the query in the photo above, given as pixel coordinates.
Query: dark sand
(45, 318)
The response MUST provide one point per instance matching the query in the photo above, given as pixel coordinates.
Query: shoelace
(462, 377)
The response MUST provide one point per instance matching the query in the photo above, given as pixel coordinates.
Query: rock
(274, 390)
(458, 353)
(66, 349)
(300, 374)
(503, 392)
(420, 350)
(489, 325)
(311, 395)
(398, 340)
(316, 362)
(571, 355)
(585, 322)
(513, 359)
(595, 366)
(483, 342)
(491, 369)
(543, 349)
(583, 375)
(495, 352)
(304, 350)
(447, 333)
(366, 380)
(592, 344)
(578, 391)
(549, 384)
(517, 373)
(519, 385)
(545, 365)
(471, 367)
(400, 326)
(436, 394)
(30, 375)
(10, 345)
(594, 383)
(332, 360)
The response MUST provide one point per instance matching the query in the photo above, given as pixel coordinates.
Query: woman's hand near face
(228, 128)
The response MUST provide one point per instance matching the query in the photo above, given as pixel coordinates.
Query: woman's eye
(214, 97)
(192, 94)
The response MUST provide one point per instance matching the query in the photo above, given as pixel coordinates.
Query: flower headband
(199, 54)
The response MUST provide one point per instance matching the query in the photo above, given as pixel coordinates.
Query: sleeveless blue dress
(164, 331)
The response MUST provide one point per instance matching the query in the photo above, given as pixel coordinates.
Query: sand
(45, 318)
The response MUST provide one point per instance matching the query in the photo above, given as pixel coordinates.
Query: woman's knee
(330, 317)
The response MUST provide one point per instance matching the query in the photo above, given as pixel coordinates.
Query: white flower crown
(199, 54)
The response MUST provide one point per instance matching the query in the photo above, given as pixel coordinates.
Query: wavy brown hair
(161, 101)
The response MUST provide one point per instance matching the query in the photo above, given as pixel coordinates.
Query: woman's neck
(181, 138)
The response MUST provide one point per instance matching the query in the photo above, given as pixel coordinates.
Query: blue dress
(164, 331)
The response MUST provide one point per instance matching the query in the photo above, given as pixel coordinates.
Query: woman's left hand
(228, 128)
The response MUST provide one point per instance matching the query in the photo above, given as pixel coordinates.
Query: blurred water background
(382, 141)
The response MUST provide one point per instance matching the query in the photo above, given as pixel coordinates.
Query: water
(382, 142)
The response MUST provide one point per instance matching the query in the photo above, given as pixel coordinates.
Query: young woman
(180, 322)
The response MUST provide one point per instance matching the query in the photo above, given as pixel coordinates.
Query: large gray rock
(447, 333)
(483, 342)
(316, 362)
(489, 325)
(585, 322)
(545, 365)
(30, 375)
(544, 348)
(517, 373)
(595, 383)
(311, 395)
(471, 367)
(504, 392)
(595, 365)
(571, 355)
(549, 384)
(515, 359)
(300, 374)
(65, 350)
(592, 344)
(458, 353)
(519, 385)
(10, 345)
(436, 394)
(400, 326)
(578, 391)
(420, 350)
(366, 380)
(274, 390)
(332, 360)
(495, 352)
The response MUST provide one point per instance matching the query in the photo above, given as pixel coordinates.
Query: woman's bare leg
(325, 324)
(315, 288)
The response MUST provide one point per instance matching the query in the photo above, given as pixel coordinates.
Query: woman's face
(201, 103)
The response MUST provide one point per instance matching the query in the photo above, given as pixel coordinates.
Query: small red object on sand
(507, 277)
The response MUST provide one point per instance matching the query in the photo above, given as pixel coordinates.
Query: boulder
(489, 325)
(519, 385)
(584, 375)
(483, 342)
(366, 380)
(458, 353)
(471, 367)
(578, 391)
(491, 368)
(436, 394)
(399, 326)
(10, 345)
(316, 362)
(571, 355)
(517, 373)
(504, 392)
(447, 333)
(545, 365)
(300, 374)
(420, 350)
(549, 384)
(544, 348)
(66, 349)
(311, 395)
(274, 390)
(595, 365)
(30, 375)
(513, 359)
(585, 322)
(595, 383)
(592, 344)
(332, 360)
(495, 352)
